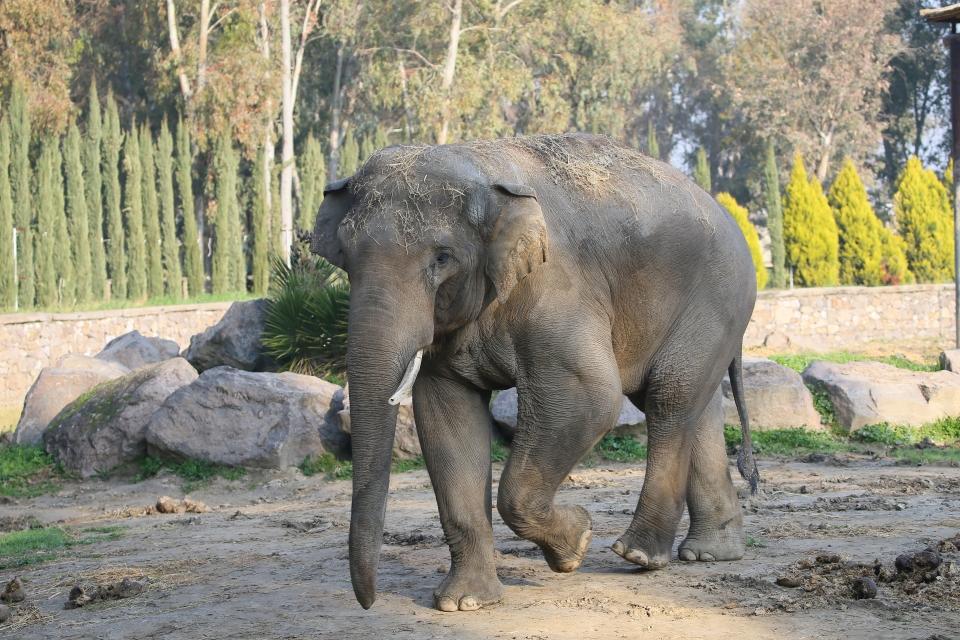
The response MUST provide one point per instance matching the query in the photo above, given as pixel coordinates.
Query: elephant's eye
(442, 258)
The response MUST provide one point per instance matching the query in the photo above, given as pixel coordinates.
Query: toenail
(618, 548)
(469, 603)
(638, 557)
(687, 554)
(707, 557)
(446, 604)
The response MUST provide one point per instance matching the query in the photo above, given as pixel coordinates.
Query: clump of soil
(929, 578)
(13, 592)
(84, 594)
(166, 504)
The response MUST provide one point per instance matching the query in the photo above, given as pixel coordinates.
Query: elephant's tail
(745, 460)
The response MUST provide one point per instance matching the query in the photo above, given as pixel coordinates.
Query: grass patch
(800, 361)
(498, 451)
(755, 543)
(786, 442)
(620, 449)
(328, 465)
(914, 456)
(27, 471)
(194, 473)
(33, 546)
(945, 431)
(404, 465)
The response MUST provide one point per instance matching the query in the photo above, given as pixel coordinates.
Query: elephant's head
(428, 238)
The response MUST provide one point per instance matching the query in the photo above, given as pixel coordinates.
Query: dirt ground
(269, 560)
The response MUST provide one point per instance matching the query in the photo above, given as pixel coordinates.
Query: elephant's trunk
(385, 337)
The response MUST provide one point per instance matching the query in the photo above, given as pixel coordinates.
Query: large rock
(950, 360)
(865, 393)
(135, 351)
(775, 395)
(241, 418)
(406, 444)
(234, 341)
(631, 420)
(58, 386)
(106, 427)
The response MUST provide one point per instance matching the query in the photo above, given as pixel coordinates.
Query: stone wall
(842, 318)
(845, 318)
(31, 341)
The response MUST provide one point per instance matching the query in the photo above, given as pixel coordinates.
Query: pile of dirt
(928, 579)
(83, 594)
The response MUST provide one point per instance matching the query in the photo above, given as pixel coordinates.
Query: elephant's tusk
(405, 390)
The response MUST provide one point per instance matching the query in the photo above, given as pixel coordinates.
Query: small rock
(904, 562)
(13, 592)
(828, 558)
(166, 504)
(927, 559)
(80, 595)
(791, 582)
(864, 588)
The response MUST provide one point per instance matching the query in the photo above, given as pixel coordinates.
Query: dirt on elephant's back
(270, 561)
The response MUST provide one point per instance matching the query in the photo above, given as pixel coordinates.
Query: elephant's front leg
(454, 427)
(563, 412)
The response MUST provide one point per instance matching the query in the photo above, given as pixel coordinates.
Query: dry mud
(269, 560)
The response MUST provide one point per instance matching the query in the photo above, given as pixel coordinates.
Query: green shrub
(27, 471)
(809, 231)
(740, 215)
(621, 449)
(923, 211)
(306, 325)
(861, 242)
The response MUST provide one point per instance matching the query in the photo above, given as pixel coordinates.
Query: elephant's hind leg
(454, 427)
(563, 411)
(716, 521)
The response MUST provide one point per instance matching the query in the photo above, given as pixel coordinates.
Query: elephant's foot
(726, 542)
(565, 549)
(468, 589)
(645, 550)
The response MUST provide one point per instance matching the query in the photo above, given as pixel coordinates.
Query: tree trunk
(332, 165)
(823, 165)
(449, 70)
(268, 150)
(177, 54)
(286, 174)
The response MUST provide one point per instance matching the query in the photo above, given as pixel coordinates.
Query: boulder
(106, 427)
(406, 444)
(234, 341)
(243, 418)
(135, 351)
(631, 420)
(775, 395)
(950, 360)
(865, 393)
(58, 386)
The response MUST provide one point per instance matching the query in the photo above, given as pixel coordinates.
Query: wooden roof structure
(944, 14)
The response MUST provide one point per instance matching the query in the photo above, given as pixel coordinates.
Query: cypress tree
(701, 171)
(77, 217)
(923, 212)
(192, 257)
(771, 184)
(93, 183)
(20, 179)
(896, 270)
(366, 148)
(45, 238)
(653, 147)
(380, 140)
(349, 156)
(8, 284)
(133, 212)
(168, 213)
(275, 213)
(742, 218)
(809, 231)
(261, 230)
(861, 246)
(63, 261)
(225, 268)
(311, 183)
(115, 241)
(151, 214)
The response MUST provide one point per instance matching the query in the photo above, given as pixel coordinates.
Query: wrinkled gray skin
(574, 270)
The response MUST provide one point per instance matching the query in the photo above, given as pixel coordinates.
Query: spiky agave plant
(306, 323)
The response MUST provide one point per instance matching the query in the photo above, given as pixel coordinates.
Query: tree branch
(177, 54)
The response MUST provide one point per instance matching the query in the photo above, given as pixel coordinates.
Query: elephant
(576, 270)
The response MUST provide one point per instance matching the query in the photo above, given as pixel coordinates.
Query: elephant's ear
(325, 242)
(517, 240)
